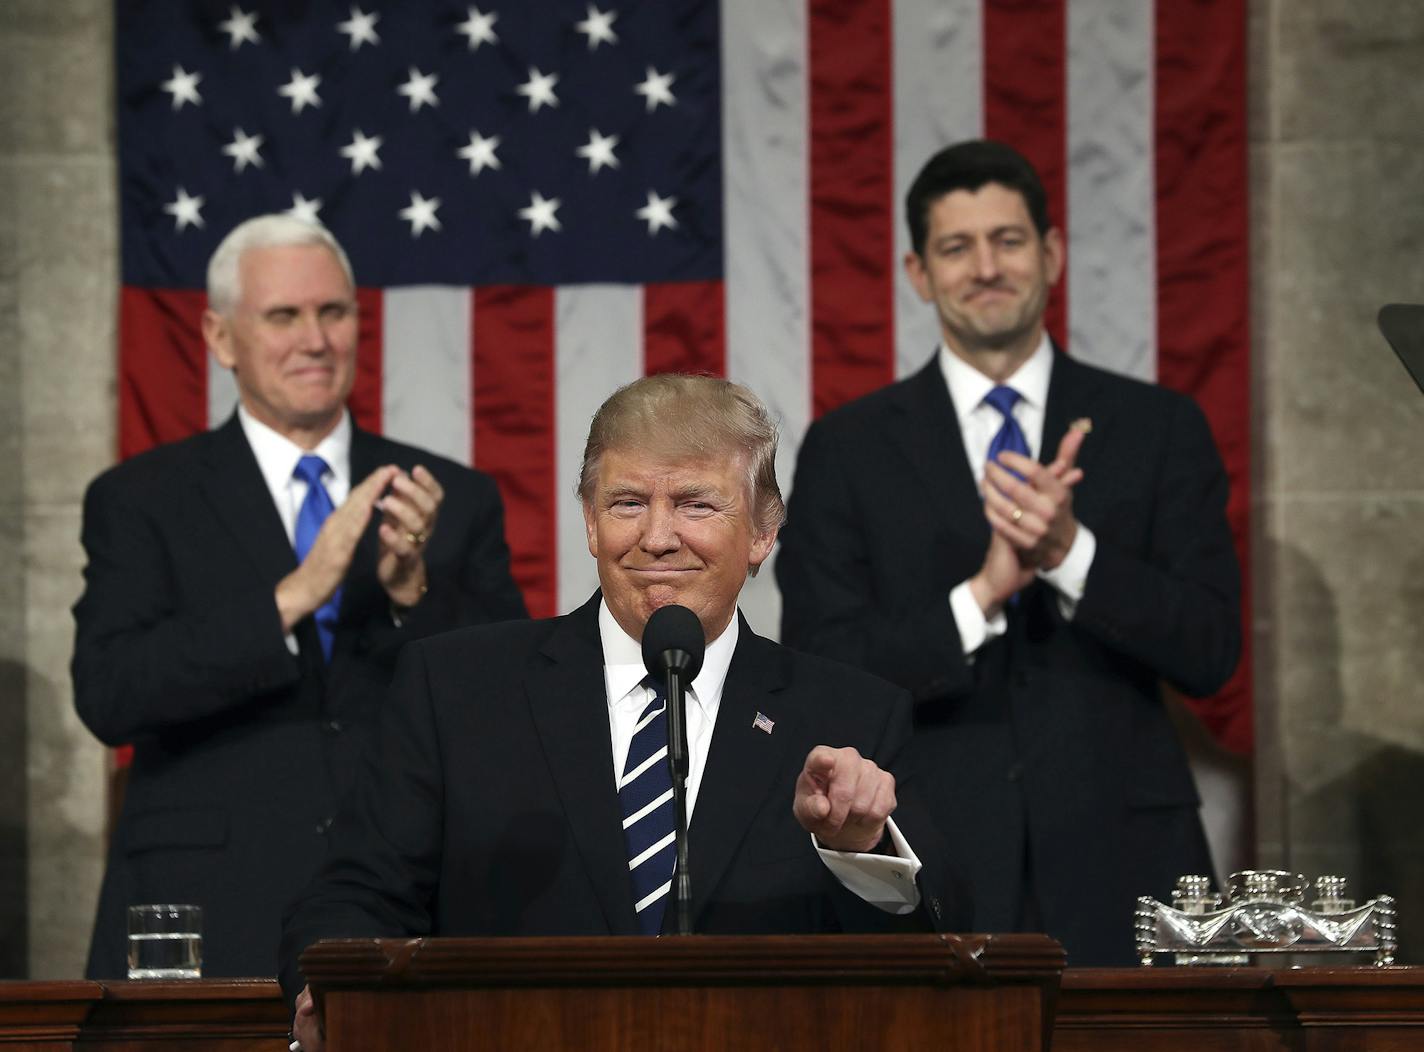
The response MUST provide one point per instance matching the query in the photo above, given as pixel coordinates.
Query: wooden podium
(970, 993)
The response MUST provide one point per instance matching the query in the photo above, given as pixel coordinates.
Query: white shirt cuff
(1070, 577)
(974, 629)
(886, 882)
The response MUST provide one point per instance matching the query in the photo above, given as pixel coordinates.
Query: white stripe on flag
(597, 348)
(939, 100)
(767, 266)
(425, 369)
(222, 392)
(1112, 258)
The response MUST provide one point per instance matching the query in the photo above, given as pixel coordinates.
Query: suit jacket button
(1015, 771)
(333, 726)
(323, 826)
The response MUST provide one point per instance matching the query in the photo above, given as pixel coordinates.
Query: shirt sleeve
(974, 628)
(887, 882)
(1070, 577)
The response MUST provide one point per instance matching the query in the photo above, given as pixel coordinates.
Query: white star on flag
(479, 28)
(480, 152)
(240, 27)
(362, 152)
(304, 209)
(184, 210)
(420, 213)
(243, 150)
(420, 89)
(361, 28)
(183, 86)
(598, 27)
(657, 213)
(301, 89)
(598, 151)
(540, 214)
(539, 89)
(656, 88)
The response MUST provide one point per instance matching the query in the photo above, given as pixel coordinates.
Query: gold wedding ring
(1017, 514)
(415, 538)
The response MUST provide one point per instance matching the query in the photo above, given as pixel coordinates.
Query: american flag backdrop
(544, 199)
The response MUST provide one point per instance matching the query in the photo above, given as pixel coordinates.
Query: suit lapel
(233, 485)
(1072, 395)
(744, 761)
(923, 423)
(569, 703)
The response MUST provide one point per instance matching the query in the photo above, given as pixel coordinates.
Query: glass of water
(165, 942)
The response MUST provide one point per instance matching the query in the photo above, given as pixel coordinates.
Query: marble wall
(1337, 227)
(58, 283)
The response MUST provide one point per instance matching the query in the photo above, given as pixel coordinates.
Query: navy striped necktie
(645, 796)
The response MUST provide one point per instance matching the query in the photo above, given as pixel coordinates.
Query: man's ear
(591, 528)
(218, 336)
(919, 276)
(762, 543)
(1053, 254)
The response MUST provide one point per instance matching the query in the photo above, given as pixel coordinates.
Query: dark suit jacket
(241, 749)
(490, 807)
(1054, 740)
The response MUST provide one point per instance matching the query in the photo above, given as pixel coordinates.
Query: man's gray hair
(270, 231)
(675, 415)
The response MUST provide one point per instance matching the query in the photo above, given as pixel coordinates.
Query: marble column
(1338, 229)
(58, 271)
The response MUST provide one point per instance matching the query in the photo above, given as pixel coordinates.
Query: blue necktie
(313, 512)
(645, 795)
(1010, 436)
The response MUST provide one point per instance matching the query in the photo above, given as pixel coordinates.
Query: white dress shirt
(885, 881)
(979, 422)
(277, 457)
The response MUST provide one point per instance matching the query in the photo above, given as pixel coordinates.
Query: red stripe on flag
(1025, 105)
(513, 374)
(1202, 258)
(365, 399)
(163, 367)
(852, 239)
(684, 328)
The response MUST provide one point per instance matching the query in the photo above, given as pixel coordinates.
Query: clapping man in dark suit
(1032, 547)
(246, 592)
(504, 797)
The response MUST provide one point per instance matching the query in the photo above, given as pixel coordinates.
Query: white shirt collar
(623, 667)
(968, 386)
(277, 455)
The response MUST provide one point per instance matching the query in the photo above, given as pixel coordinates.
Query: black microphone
(673, 648)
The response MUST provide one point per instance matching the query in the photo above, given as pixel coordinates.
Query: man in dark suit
(1032, 604)
(504, 797)
(246, 677)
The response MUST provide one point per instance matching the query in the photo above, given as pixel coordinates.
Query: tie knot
(310, 469)
(1003, 399)
(656, 685)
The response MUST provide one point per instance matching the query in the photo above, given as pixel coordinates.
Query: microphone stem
(678, 762)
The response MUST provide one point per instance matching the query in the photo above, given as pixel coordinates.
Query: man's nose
(660, 530)
(986, 261)
(312, 334)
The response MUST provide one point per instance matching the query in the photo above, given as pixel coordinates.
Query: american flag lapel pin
(763, 723)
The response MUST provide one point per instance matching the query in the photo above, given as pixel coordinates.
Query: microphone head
(672, 639)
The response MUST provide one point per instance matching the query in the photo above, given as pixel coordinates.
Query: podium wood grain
(698, 993)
